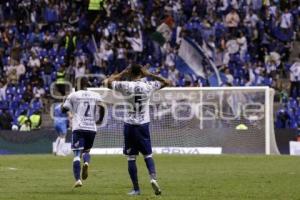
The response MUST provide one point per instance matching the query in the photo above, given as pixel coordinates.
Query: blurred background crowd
(251, 42)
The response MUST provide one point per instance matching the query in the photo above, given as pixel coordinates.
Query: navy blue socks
(76, 169)
(151, 167)
(132, 169)
(86, 157)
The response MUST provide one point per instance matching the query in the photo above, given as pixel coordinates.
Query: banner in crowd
(199, 60)
(192, 57)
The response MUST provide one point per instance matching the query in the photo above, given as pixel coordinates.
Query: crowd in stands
(54, 41)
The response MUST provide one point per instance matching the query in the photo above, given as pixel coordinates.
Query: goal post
(197, 120)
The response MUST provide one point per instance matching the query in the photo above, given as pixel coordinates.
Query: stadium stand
(46, 41)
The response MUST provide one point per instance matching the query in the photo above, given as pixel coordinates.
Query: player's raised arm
(164, 82)
(116, 77)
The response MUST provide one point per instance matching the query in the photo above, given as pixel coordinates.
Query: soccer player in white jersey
(137, 119)
(86, 110)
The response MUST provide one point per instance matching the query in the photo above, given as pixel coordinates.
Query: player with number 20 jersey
(86, 111)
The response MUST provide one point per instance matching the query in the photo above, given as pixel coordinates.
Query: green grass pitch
(45, 177)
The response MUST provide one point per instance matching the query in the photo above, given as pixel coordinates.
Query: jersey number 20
(87, 112)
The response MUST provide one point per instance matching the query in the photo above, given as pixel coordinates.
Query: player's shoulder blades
(94, 95)
(76, 93)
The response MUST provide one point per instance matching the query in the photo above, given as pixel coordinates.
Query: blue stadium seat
(4, 104)
(24, 106)
(52, 52)
(62, 52)
(268, 81)
(283, 37)
(21, 89)
(292, 103)
(12, 112)
(14, 104)
(11, 90)
(236, 82)
(287, 66)
(9, 97)
(44, 53)
(53, 76)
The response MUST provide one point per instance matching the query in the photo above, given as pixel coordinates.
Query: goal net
(197, 121)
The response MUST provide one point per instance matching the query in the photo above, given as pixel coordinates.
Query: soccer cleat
(134, 193)
(85, 174)
(155, 187)
(77, 184)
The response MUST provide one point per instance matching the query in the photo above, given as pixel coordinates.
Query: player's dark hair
(136, 69)
(82, 83)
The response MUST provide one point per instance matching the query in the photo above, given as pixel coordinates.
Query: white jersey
(137, 95)
(82, 104)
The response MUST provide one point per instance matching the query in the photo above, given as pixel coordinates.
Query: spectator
(232, 21)
(286, 21)
(173, 74)
(26, 126)
(47, 40)
(2, 91)
(229, 77)
(38, 91)
(12, 77)
(73, 19)
(70, 42)
(136, 43)
(34, 61)
(95, 8)
(251, 19)
(5, 120)
(225, 6)
(170, 57)
(243, 46)
(20, 69)
(80, 70)
(121, 56)
(28, 94)
(35, 120)
(271, 68)
(60, 81)
(35, 77)
(282, 119)
(22, 118)
(295, 79)
(256, 5)
(47, 68)
(51, 14)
